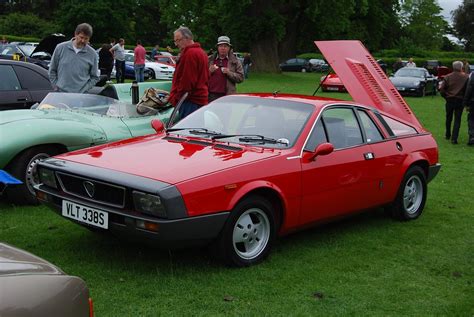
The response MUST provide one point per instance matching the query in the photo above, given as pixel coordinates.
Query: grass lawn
(367, 265)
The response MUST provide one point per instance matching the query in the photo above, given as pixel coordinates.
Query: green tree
(423, 23)
(278, 29)
(26, 25)
(109, 18)
(463, 24)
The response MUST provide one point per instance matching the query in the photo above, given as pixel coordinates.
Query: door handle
(369, 156)
(22, 99)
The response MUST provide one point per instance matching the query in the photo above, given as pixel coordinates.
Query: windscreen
(244, 119)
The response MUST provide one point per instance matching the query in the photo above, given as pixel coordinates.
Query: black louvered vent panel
(228, 147)
(173, 139)
(203, 143)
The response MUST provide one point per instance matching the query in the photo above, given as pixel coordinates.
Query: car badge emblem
(90, 188)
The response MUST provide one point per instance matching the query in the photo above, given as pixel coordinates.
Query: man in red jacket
(191, 75)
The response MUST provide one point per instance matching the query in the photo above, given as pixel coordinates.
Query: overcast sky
(448, 6)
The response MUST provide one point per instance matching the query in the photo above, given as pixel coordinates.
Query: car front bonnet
(168, 159)
(15, 261)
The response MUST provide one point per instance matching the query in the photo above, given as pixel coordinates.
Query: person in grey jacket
(74, 65)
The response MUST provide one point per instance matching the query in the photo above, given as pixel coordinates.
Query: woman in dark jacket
(106, 60)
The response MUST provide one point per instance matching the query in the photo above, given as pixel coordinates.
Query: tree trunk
(265, 55)
(264, 51)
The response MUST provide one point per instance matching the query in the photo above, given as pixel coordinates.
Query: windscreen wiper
(251, 138)
(196, 131)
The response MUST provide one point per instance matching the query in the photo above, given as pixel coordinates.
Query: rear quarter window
(398, 128)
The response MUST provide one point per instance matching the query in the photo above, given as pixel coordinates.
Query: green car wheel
(24, 169)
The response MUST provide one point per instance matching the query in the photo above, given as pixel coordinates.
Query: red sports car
(164, 59)
(247, 168)
(332, 82)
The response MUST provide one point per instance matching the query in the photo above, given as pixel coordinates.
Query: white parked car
(159, 70)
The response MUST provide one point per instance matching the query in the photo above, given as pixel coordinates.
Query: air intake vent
(173, 139)
(228, 147)
(397, 95)
(203, 143)
(376, 66)
(376, 92)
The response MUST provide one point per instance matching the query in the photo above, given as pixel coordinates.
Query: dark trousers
(453, 107)
(187, 107)
(120, 71)
(106, 71)
(470, 124)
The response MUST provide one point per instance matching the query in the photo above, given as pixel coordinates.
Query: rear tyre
(248, 234)
(411, 197)
(23, 167)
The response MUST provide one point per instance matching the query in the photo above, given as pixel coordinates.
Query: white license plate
(333, 88)
(91, 216)
(401, 88)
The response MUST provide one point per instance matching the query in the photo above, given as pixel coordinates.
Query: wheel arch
(61, 148)
(268, 191)
(417, 159)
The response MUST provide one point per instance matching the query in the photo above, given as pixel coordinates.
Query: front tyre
(23, 167)
(411, 197)
(248, 234)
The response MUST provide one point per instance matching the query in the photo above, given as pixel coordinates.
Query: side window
(8, 79)
(30, 79)
(398, 128)
(317, 137)
(371, 131)
(342, 127)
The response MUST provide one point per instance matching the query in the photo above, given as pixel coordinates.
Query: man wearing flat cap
(225, 69)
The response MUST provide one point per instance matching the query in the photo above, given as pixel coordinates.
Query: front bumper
(408, 90)
(188, 231)
(329, 87)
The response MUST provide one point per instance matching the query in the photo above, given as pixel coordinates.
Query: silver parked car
(31, 286)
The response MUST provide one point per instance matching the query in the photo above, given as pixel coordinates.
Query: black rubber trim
(433, 171)
(175, 233)
(172, 199)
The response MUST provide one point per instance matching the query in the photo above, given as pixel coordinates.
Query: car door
(340, 182)
(37, 84)
(291, 65)
(12, 95)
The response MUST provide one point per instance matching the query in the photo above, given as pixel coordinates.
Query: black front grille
(103, 193)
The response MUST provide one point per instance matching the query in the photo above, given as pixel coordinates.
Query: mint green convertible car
(64, 122)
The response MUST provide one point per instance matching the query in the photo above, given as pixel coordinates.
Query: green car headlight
(46, 176)
(149, 204)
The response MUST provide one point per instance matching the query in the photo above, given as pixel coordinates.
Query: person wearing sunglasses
(191, 75)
